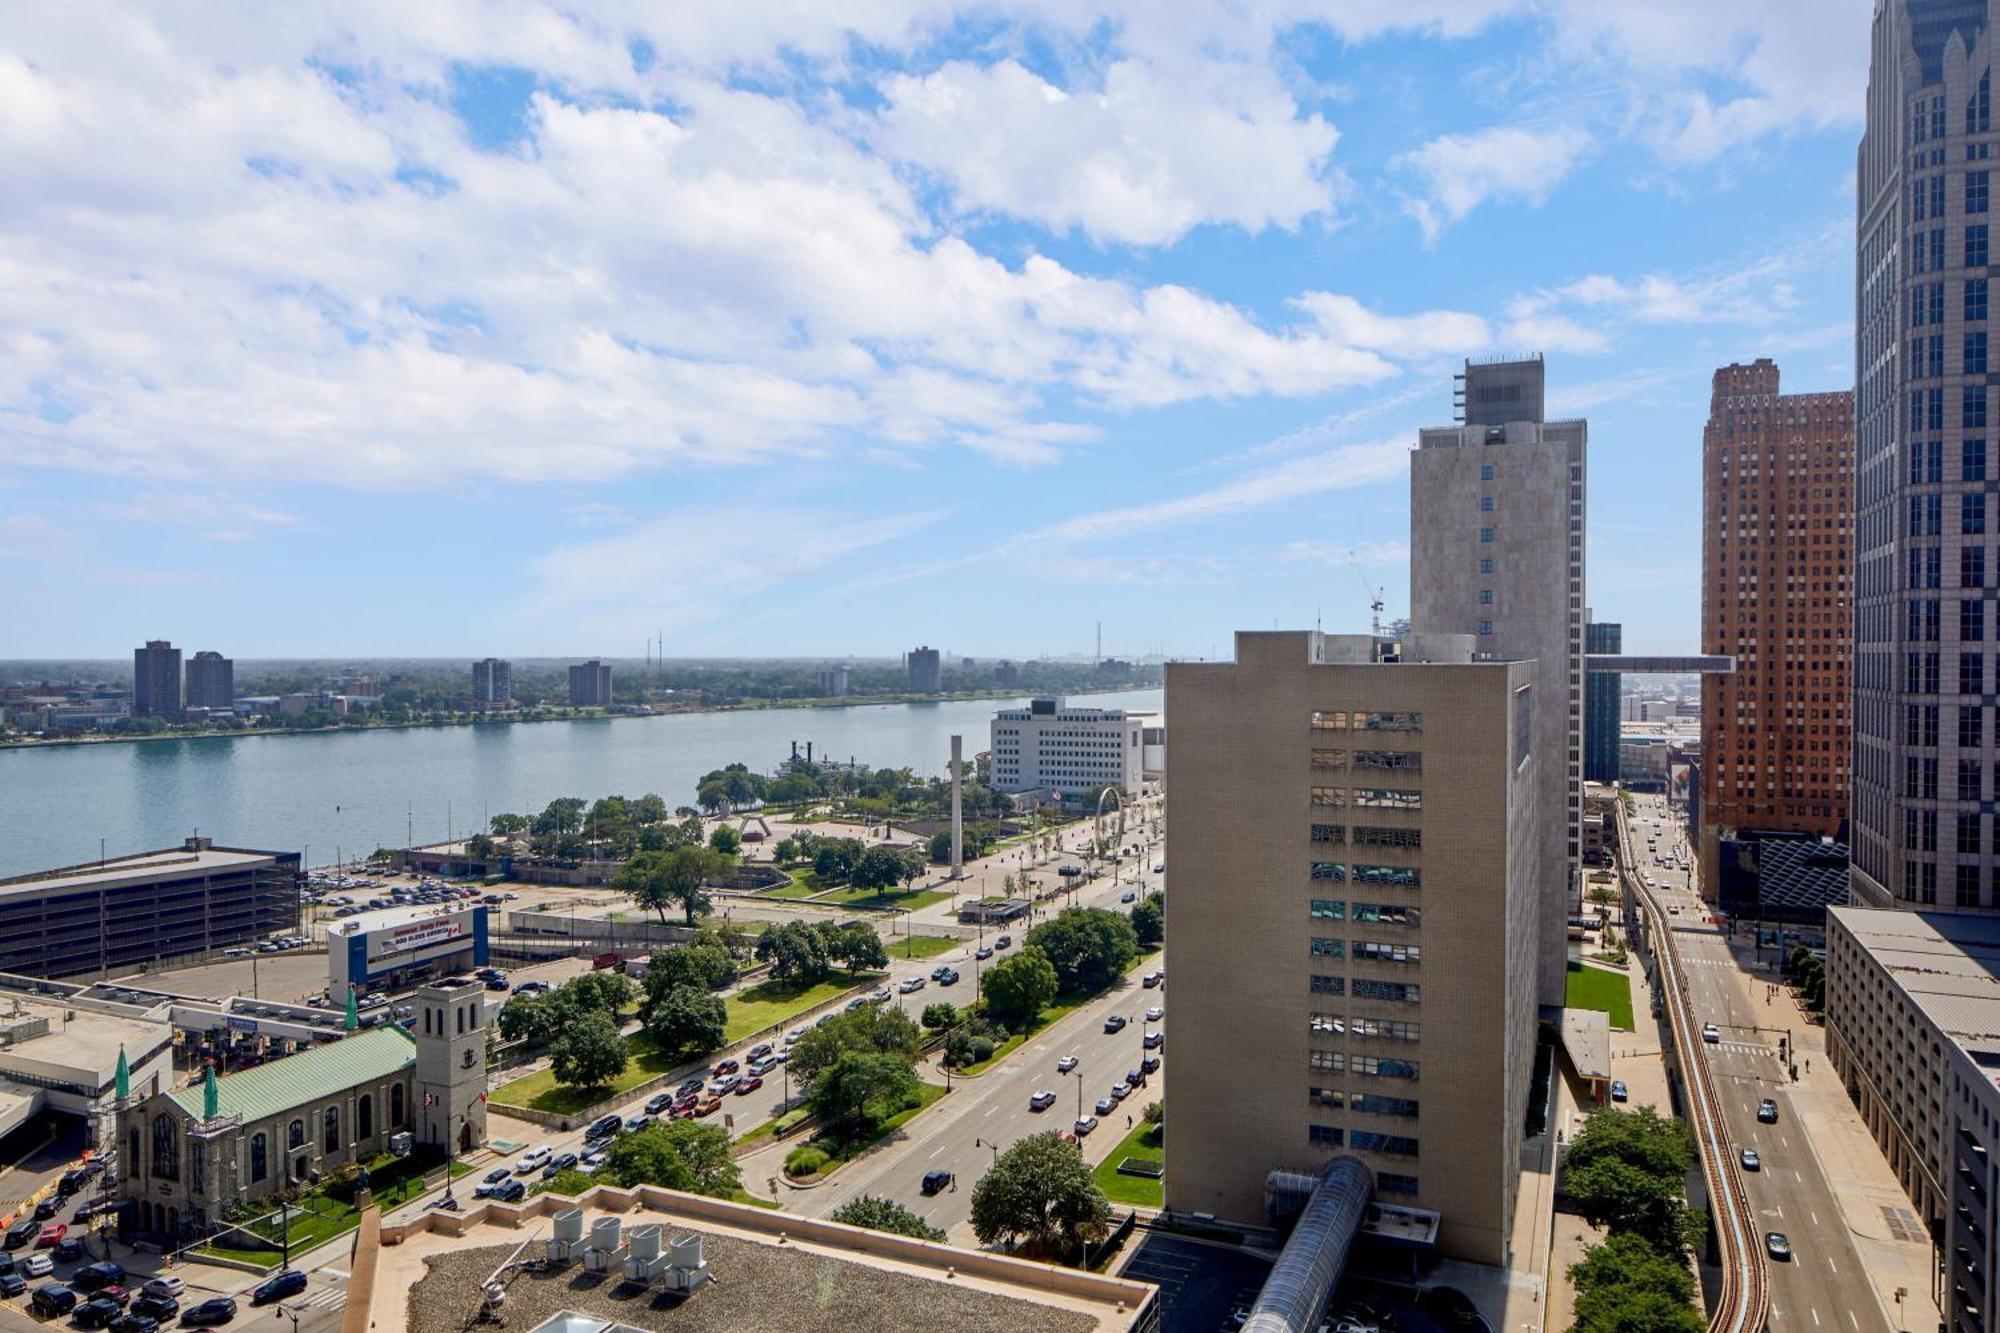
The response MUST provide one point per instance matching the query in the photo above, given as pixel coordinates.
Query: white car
(38, 1265)
(1155, 1014)
(169, 1287)
(1064, 1065)
(533, 1160)
(1710, 1033)
(1085, 1125)
(913, 985)
(796, 1035)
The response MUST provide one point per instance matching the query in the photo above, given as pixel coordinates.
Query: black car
(12, 1283)
(97, 1312)
(558, 1164)
(48, 1208)
(936, 1180)
(91, 1277)
(511, 1192)
(655, 1105)
(150, 1306)
(67, 1249)
(133, 1323)
(52, 1300)
(288, 1283)
(22, 1233)
(950, 977)
(605, 1126)
(216, 1310)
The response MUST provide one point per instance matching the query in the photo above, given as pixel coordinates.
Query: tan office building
(1357, 900)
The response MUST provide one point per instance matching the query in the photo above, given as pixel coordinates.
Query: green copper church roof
(308, 1078)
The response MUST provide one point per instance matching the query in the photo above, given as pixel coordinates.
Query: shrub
(804, 1160)
(1156, 1114)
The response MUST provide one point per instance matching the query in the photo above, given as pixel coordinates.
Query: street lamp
(992, 1147)
(281, 1312)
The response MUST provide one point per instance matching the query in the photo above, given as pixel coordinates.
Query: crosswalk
(326, 1298)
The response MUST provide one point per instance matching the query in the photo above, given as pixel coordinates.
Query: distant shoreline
(519, 718)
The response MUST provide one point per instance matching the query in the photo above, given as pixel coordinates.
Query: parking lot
(1199, 1282)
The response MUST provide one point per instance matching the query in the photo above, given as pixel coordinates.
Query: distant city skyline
(790, 338)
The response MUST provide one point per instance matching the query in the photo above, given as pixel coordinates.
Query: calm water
(356, 791)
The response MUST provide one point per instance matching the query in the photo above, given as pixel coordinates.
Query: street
(1825, 1284)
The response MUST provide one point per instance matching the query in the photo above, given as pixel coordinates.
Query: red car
(51, 1233)
(726, 1067)
(749, 1085)
(687, 1102)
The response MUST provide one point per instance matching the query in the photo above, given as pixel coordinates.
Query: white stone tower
(451, 1064)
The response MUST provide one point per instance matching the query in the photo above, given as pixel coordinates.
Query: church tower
(451, 1064)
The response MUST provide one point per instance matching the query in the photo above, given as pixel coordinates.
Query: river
(354, 791)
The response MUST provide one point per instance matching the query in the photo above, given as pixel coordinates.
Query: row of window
(1363, 835)
(1363, 721)
(1362, 1140)
(1368, 1103)
(1410, 761)
(1385, 914)
(1367, 798)
(1401, 877)
(1368, 1066)
(166, 1155)
(1366, 988)
(1384, 1029)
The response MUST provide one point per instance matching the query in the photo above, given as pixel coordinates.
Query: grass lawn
(922, 946)
(327, 1216)
(1595, 988)
(912, 900)
(839, 1151)
(1144, 1143)
(1064, 1004)
(769, 1129)
(772, 1002)
(541, 1092)
(804, 884)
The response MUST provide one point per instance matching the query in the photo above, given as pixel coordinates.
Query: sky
(793, 330)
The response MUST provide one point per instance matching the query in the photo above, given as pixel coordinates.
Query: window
(1327, 909)
(1368, 836)
(1971, 566)
(1388, 953)
(1327, 1062)
(1975, 353)
(1971, 673)
(1378, 1066)
(1323, 1136)
(1332, 833)
(1329, 759)
(1485, 504)
(295, 1135)
(1388, 914)
(1486, 534)
(1386, 1029)
(1485, 627)
(1326, 1025)
(364, 1119)
(1486, 564)
(132, 1152)
(1392, 1144)
(396, 1109)
(1331, 797)
(1409, 761)
(1979, 107)
(1403, 991)
(1975, 298)
(1401, 877)
(1331, 1097)
(1378, 798)
(1486, 472)
(1486, 596)
(1329, 721)
(260, 1165)
(1975, 246)
(1326, 948)
(1371, 1104)
(1972, 460)
(1968, 835)
(1971, 727)
(1968, 779)
(166, 1148)
(1971, 621)
(1388, 1182)
(1972, 515)
(329, 1141)
(1972, 406)
(1388, 721)
(1324, 985)
(1975, 192)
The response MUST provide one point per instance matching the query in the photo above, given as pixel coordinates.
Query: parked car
(1085, 1125)
(1619, 1092)
(749, 1085)
(170, 1287)
(278, 1286)
(1155, 1014)
(215, 1310)
(1150, 980)
(1120, 1091)
(936, 1180)
(48, 1208)
(37, 1265)
(97, 1312)
(53, 1301)
(67, 1249)
(1767, 1111)
(51, 1234)
(95, 1277)
(1155, 1040)
(161, 1308)
(12, 1284)
(1041, 1100)
(1150, 1065)
(21, 1233)
(1106, 1105)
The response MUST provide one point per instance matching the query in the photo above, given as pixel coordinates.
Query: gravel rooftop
(759, 1286)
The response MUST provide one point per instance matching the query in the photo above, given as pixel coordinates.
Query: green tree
(1040, 1194)
(834, 859)
(856, 945)
(871, 1029)
(1624, 1284)
(678, 876)
(600, 990)
(795, 951)
(535, 1018)
(686, 1020)
(943, 1014)
(1627, 1171)
(1017, 989)
(725, 840)
(704, 962)
(588, 1052)
(877, 868)
(879, 1214)
(861, 1088)
(1149, 920)
(1089, 947)
(678, 1154)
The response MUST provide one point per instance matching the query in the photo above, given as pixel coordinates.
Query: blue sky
(525, 328)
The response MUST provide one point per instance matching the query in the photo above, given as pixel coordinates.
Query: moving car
(949, 978)
(1710, 1033)
(1767, 1111)
(492, 1181)
(1155, 1014)
(759, 1051)
(1004, 942)
(759, 1068)
(725, 1084)
(605, 1126)
(708, 1105)
(1064, 1065)
(1150, 980)
(1751, 1161)
(1619, 1092)
(215, 1310)
(1042, 1100)
(658, 1104)
(912, 986)
(795, 1035)
(1777, 1246)
(1115, 1023)
(749, 1085)
(558, 1164)
(278, 1286)
(725, 1067)
(689, 1085)
(983, 952)
(1128, 897)
(936, 1180)
(639, 1122)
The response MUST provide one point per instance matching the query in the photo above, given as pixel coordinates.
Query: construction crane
(1374, 595)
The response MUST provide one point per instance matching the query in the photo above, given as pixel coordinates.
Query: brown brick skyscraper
(1777, 537)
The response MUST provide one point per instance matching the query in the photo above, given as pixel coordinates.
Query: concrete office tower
(492, 684)
(1496, 551)
(1600, 703)
(211, 682)
(156, 680)
(957, 809)
(589, 685)
(1923, 522)
(925, 674)
(1777, 530)
(1358, 899)
(832, 682)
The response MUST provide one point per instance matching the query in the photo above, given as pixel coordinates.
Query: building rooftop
(310, 1076)
(88, 1042)
(1586, 1036)
(385, 918)
(138, 868)
(1948, 964)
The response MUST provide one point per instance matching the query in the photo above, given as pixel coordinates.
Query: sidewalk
(1873, 1207)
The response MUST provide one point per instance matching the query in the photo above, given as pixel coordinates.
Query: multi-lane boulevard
(1824, 1285)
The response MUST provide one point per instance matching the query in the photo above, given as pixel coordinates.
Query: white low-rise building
(1049, 747)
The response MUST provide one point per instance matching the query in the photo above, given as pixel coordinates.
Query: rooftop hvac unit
(602, 1254)
(567, 1242)
(686, 1269)
(569, 1224)
(643, 1261)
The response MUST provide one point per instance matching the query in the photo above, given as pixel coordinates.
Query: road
(1824, 1286)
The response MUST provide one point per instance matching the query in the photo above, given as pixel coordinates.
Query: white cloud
(1367, 555)
(1456, 173)
(1432, 333)
(1143, 155)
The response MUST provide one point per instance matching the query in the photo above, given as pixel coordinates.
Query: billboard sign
(394, 942)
